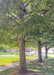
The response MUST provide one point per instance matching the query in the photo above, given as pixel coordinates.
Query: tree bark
(22, 54)
(39, 51)
(46, 51)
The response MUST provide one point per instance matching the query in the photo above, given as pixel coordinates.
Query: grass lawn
(44, 68)
(9, 53)
(10, 59)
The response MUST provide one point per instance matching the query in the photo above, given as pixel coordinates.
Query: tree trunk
(39, 51)
(46, 51)
(22, 54)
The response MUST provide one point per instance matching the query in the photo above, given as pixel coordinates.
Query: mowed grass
(9, 53)
(47, 66)
(5, 60)
(44, 68)
(11, 59)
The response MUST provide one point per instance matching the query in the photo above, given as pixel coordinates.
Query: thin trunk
(22, 54)
(39, 51)
(46, 51)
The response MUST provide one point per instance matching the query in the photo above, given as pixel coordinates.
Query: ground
(5, 60)
(9, 53)
(34, 68)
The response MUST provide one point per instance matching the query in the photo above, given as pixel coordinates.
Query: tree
(20, 10)
(29, 20)
(51, 44)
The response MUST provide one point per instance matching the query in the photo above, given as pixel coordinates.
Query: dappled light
(42, 67)
(26, 37)
(33, 68)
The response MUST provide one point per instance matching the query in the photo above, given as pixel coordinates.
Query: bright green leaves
(26, 17)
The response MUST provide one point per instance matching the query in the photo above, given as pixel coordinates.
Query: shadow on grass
(45, 67)
(34, 68)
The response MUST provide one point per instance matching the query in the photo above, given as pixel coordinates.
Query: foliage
(29, 18)
(2, 47)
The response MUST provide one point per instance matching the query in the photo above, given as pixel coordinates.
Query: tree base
(40, 61)
(22, 71)
(46, 57)
(27, 72)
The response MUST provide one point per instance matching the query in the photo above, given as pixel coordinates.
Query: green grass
(50, 53)
(45, 67)
(9, 53)
(10, 59)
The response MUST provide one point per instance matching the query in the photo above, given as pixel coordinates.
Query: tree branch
(32, 38)
(44, 43)
(45, 11)
(50, 46)
(31, 42)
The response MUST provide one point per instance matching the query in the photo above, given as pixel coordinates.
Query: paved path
(6, 55)
(49, 54)
(2, 68)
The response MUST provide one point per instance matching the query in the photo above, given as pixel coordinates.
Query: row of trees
(27, 21)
